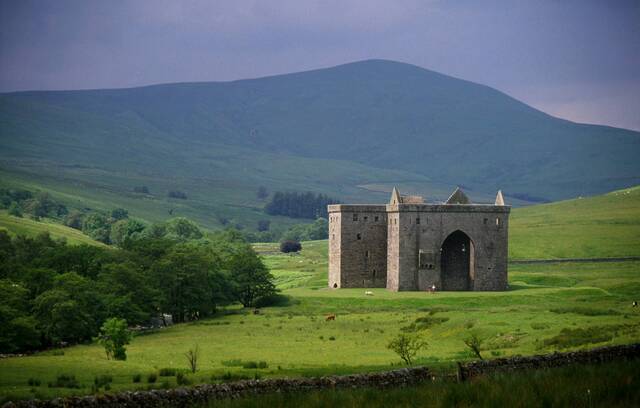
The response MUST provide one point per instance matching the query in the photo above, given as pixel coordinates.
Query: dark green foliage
(15, 210)
(141, 189)
(319, 229)
(124, 230)
(177, 194)
(74, 219)
(263, 225)
(250, 277)
(255, 364)
(102, 380)
(182, 229)
(262, 193)
(167, 372)
(406, 346)
(423, 323)
(119, 214)
(182, 379)
(52, 293)
(97, 226)
(114, 335)
(65, 381)
(290, 246)
(136, 378)
(580, 336)
(474, 342)
(585, 311)
(151, 378)
(299, 205)
(34, 382)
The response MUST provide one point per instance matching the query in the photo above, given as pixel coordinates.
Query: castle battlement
(412, 245)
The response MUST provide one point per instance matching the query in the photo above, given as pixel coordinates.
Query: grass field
(607, 385)
(28, 227)
(549, 307)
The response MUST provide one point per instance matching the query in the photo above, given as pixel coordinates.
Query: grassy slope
(295, 339)
(602, 226)
(30, 228)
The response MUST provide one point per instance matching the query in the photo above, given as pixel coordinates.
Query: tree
(114, 335)
(119, 214)
(15, 210)
(125, 229)
(407, 346)
(263, 225)
(182, 229)
(192, 356)
(262, 193)
(290, 246)
(97, 227)
(474, 342)
(251, 279)
(74, 219)
(185, 274)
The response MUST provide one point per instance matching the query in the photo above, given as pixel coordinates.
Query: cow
(330, 317)
(368, 293)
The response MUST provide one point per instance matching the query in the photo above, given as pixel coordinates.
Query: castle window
(358, 236)
(418, 220)
(485, 221)
(498, 222)
(333, 236)
(376, 218)
(355, 217)
(374, 273)
(366, 218)
(366, 254)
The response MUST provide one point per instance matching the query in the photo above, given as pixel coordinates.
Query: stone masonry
(412, 245)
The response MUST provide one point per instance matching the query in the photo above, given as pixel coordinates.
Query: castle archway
(457, 262)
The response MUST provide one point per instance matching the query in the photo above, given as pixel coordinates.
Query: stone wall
(418, 231)
(597, 355)
(186, 397)
(357, 246)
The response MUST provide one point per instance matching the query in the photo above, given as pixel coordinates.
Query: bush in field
(65, 381)
(114, 335)
(152, 378)
(192, 355)
(474, 342)
(290, 246)
(406, 346)
(15, 210)
(177, 194)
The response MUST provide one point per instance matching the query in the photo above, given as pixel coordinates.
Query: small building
(412, 245)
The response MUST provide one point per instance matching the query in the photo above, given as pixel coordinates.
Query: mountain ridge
(384, 115)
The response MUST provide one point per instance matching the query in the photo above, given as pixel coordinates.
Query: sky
(575, 59)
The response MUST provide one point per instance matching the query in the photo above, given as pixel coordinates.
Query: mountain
(351, 131)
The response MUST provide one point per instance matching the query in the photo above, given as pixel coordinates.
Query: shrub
(263, 364)
(407, 346)
(137, 378)
(192, 356)
(332, 338)
(151, 378)
(114, 335)
(34, 382)
(167, 372)
(182, 379)
(290, 246)
(250, 364)
(102, 380)
(473, 342)
(65, 381)
(177, 194)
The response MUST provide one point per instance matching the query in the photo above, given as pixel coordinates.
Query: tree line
(299, 205)
(51, 292)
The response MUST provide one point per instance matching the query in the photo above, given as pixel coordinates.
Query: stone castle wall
(357, 246)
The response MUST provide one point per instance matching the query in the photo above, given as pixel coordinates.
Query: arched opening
(456, 258)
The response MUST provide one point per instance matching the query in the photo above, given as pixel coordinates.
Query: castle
(411, 245)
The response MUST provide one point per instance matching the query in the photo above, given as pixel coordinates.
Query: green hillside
(28, 227)
(350, 131)
(602, 226)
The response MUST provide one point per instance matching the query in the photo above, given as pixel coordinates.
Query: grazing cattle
(330, 317)
(635, 303)
(368, 293)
